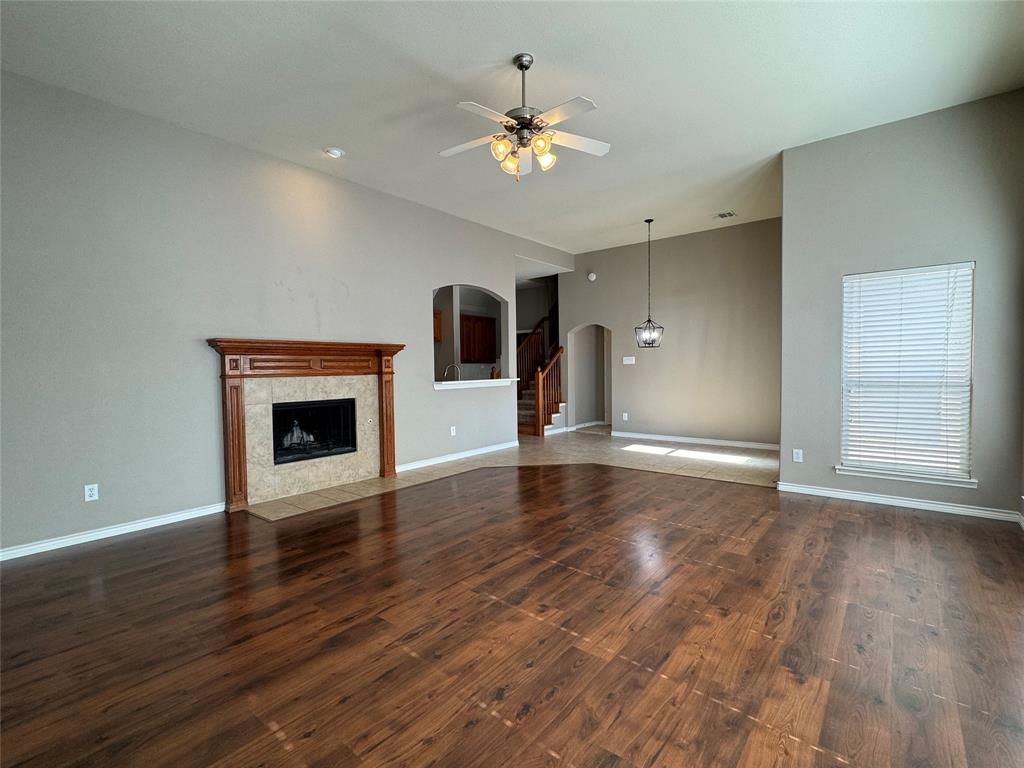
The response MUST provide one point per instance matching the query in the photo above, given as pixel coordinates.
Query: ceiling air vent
(725, 214)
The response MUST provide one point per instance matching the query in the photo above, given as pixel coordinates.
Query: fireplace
(314, 429)
(250, 371)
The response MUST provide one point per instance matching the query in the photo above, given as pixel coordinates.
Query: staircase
(527, 407)
(540, 381)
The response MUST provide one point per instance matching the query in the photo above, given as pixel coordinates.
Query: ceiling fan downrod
(523, 62)
(522, 124)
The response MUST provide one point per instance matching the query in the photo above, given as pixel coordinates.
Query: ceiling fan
(527, 128)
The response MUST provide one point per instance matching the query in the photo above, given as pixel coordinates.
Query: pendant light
(648, 334)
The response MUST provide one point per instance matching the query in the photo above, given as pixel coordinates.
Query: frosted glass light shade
(500, 148)
(510, 164)
(541, 143)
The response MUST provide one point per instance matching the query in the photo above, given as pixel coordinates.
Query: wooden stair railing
(549, 391)
(530, 355)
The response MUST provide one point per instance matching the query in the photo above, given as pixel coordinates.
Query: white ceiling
(697, 100)
(528, 270)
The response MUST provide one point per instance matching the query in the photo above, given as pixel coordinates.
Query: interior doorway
(589, 356)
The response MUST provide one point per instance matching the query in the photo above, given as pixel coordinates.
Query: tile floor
(739, 465)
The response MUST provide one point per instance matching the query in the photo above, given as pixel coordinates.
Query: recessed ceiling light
(334, 152)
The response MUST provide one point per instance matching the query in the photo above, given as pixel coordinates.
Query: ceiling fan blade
(468, 145)
(581, 143)
(563, 112)
(480, 109)
(525, 161)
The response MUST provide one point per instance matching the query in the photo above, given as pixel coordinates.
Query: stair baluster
(548, 381)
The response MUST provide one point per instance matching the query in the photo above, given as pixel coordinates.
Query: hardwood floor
(577, 615)
(715, 462)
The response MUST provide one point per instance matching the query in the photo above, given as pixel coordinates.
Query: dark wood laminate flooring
(527, 616)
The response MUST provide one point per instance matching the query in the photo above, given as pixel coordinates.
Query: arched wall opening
(471, 332)
(589, 373)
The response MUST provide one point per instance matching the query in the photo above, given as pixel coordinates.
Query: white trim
(455, 456)
(900, 501)
(906, 476)
(574, 427)
(697, 440)
(21, 550)
(551, 429)
(473, 383)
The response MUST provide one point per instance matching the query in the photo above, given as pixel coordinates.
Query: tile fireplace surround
(255, 373)
(266, 480)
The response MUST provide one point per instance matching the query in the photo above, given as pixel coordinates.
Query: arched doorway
(588, 352)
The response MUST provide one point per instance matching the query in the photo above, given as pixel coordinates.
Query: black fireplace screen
(313, 430)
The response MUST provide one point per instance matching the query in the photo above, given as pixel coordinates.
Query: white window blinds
(907, 338)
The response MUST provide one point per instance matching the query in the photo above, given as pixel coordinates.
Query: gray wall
(444, 350)
(716, 374)
(940, 188)
(532, 303)
(586, 348)
(607, 375)
(128, 241)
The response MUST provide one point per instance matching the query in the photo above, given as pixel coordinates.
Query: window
(907, 338)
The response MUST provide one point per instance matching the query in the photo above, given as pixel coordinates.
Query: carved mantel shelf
(258, 358)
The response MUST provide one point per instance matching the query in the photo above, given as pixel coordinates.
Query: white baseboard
(455, 456)
(21, 550)
(551, 429)
(901, 501)
(574, 427)
(697, 440)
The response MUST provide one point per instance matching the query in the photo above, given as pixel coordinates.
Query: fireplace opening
(315, 429)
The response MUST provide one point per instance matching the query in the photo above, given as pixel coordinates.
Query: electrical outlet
(625, 416)
(798, 455)
(92, 492)
(631, 360)
(453, 431)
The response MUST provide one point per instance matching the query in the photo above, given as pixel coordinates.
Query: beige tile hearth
(338, 493)
(310, 501)
(738, 465)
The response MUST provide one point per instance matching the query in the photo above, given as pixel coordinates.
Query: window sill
(473, 383)
(906, 476)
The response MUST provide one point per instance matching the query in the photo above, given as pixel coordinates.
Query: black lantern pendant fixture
(648, 334)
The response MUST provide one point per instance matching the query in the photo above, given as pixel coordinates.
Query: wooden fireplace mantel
(258, 358)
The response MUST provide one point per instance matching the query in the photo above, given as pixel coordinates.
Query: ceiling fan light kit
(526, 131)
